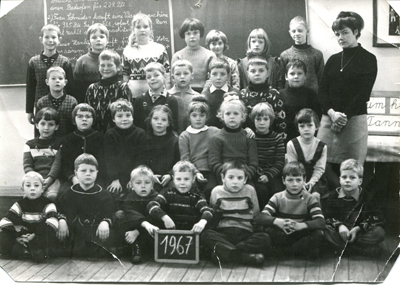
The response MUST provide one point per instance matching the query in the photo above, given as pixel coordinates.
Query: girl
(231, 143)
(161, 150)
(140, 51)
(194, 143)
(192, 30)
(217, 42)
(312, 57)
(258, 44)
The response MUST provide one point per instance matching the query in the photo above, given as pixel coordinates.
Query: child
(156, 95)
(101, 94)
(38, 65)
(271, 153)
(59, 100)
(40, 153)
(194, 144)
(121, 146)
(217, 42)
(181, 207)
(86, 69)
(312, 57)
(293, 217)
(259, 90)
(352, 216)
(219, 73)
(236, 204)
(309, 150)
(135, 224)
(297, 96)
(231, 142)
(86, 212)
(38, 217)
(182, 75)
(192, 30)
(258, 44)
(140, 51)
(83, 140)
(161, 149)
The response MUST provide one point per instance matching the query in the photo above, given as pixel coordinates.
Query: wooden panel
(12, 265)
(52, 265)
(312, 271)
(119, 271)
(208, 272)
(107, 269)
(268, 272)
(283, 270)
(22, 267)
(223, 273)
(362, 269)
(33, 269)
(162, 273)
(4, 261)
(326, 268)
(68, 271)
(93, 267)
(194, 272)
(177, 273)
(237, 273)
(133, 272)
(342, 271)
(148, 273)
(252, 274)
(297, 270)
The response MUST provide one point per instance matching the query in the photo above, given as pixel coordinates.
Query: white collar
(224, 88)
(355, 195)
(192, 130)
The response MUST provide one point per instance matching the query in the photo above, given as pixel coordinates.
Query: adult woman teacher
(344, 91)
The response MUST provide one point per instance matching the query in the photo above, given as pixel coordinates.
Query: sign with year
(176, 246)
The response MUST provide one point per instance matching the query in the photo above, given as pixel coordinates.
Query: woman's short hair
(137, 18)
(47, 114)
(305, 116)
(260, 34)
(214, 36)
(348, 19)
(263, 109)
(199, 103)
(121, 105)
(83, 107)
(191, 24)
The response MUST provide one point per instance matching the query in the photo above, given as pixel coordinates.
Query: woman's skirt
(350, 142)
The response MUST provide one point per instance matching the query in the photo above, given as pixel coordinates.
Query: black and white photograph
(199, 141)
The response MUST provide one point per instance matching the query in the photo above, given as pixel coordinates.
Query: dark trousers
(208, 186)
(364, 238)
(266, 190)
(229, 243)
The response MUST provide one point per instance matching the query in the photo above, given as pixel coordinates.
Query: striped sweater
(303, 207)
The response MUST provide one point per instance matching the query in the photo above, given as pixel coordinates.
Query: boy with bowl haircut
(182, 76)
(156, 95)
(101, 94)
(40, 153)
(38, 65)
(38, 217)
(86, 212)
(353, 218)
(293, 218)
(58, 99)
(86, 69)
(181, 207)
(236, 205)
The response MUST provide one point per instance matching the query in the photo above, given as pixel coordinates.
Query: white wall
(322, 13)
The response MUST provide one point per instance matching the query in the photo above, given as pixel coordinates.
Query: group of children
(144, 158)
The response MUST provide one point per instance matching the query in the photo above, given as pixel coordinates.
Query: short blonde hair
(232, 99)
(97, 27)
(184, 166)
(137, 18)
(55, 69)
(32, 174)
(153, 66)
(143, 170)
(49, 28)
(354, 165)
(263, 109)
(182, 63)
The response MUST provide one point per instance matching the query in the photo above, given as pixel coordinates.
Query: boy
(259, 90)
(219, 71)
(38, 217)
(121, 144)
(83, 140)
(59, 100)
(86, 212)
(86, 69)
(293, 217)
(135, 224)
(182, 75)
(101, 94)
(271, 153)
(40, 153)
(297, 95)
(156, 95)
(353, 218)
(181, 207)
(38, 65)
(310, 151)
(236, 204)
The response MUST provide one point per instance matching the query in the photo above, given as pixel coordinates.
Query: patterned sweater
(185, 209)
(36, 86)
(100, 95)
(30, 213)
(40, 156)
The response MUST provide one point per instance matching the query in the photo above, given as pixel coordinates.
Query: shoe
(20, 251)
(253, 259)
(136, 253)
(37, 255)
(367, 250)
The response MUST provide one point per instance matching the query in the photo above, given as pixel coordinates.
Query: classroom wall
(321, 15)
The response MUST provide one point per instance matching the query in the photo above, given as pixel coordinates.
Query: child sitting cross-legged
(181, 207)
(293, 218)
(86, 213)
(40, 153)
(38, 217)
(235, 205)
(353, 218)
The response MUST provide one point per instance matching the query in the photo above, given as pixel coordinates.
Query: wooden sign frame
(161, 237)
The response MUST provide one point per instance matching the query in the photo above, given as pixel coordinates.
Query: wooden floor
(349, 269)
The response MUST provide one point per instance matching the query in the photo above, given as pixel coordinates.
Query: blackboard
(177, 246)
(20, 28)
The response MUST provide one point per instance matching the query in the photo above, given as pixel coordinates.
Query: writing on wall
(383, 115)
